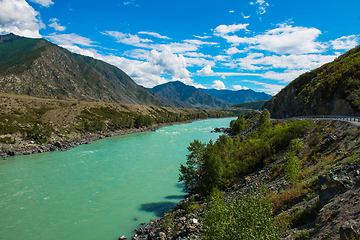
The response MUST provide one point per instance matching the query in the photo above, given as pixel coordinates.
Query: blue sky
(224, 44)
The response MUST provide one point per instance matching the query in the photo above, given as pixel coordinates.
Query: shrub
(241, 218)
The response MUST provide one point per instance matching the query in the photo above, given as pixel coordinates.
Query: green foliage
(241, 218)
(219, 164)
(190, 173)
(292, 165)
(238, 125)
(39, 133)
(143, 121)
(191, 206)
(168, 220)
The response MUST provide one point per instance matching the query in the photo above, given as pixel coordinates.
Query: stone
(350, 230)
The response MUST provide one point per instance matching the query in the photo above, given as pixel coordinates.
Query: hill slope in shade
(36, 67)
(186, 96)
(332, 89)
(237, 97)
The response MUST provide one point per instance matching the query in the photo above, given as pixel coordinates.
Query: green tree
(238, 125)
(264, 120)
(242, 218)
(190, 173)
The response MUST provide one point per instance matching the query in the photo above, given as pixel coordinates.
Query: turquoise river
(99, 191)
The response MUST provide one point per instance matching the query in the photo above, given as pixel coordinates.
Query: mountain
(332, 89)
(186, 96)
(240, 96)
(36, 67)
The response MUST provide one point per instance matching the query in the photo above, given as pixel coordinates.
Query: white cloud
(289, 39)
(233, 50)
(346, 42)
(202, 37)
(257, 61)
(45, 3)
(285, 77)
(170, 63)
(127, 38)
(231, 11)
(245, 17)
(56, 25)
(222, 30)
(266, 87)
(18, 17)
(238, 87)
(206, 71)
(262, 6)
(217, 84)
(199, 42)
(70, 39)
(285, 39)
(154, 34)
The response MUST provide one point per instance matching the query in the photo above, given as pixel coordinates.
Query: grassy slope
(19, 114)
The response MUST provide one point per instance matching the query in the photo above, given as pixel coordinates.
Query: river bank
(30, 147)
(323, 204)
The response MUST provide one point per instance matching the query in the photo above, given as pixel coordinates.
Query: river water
(97, 191)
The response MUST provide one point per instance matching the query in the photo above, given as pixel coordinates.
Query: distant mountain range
(36, 67)
(239, 96)
(191, 97)
(332, 89)
(185, 96)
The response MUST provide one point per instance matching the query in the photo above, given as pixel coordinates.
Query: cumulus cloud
(218, 85)
(170, 63)
(284, 39)
(239, 87)
(346, 42)
(289, 39)
(56, 25)
(45, 3)
(154, 34)
(205, 71)
(233, 50)
(18, 17)
(222, 30)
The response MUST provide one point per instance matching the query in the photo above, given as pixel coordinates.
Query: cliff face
(48, 71)
(332, 89)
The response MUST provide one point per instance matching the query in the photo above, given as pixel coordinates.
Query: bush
(242, 218)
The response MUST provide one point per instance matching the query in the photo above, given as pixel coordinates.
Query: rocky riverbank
(328, 208)
(30, 147)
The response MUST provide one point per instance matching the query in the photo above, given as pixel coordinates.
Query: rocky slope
(36, 67)
(332, 89)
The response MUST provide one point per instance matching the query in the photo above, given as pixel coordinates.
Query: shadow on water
(179, 185)
(158, 208)
(179, 197)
